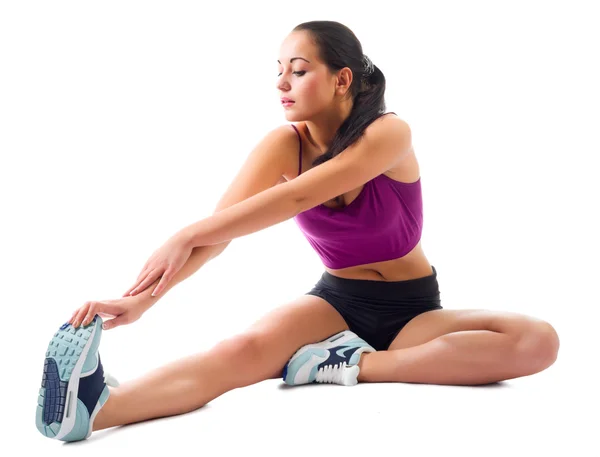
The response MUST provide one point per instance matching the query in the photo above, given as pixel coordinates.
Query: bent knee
(538, 346)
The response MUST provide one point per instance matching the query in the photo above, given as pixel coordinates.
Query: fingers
(117, 321)
(105, 315)
(85, 314)
(94, 308)
(162, 283)
(136, 288)
(138, 280)
(130, 290)
(79, 315)
(133, 290)
(147, 281)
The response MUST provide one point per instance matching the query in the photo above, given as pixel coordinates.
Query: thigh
(281, 332)
(433, 324)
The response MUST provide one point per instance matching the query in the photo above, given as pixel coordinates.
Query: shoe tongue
(110, 380)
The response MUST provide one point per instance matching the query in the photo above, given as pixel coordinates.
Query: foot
(334, 361)
(74, 385)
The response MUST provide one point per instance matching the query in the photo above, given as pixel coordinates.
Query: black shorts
(377, 310)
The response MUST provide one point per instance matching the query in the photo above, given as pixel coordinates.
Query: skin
(322, 102)
(322, 98)
(464, 347)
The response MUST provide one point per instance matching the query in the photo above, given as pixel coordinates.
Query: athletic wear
(378, 310)
(333, 361)
(383, 223)
(74, 385)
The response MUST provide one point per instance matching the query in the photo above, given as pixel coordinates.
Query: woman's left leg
(464, 347)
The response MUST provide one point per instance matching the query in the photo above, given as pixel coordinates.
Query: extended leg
(256, 355)
(181, 386)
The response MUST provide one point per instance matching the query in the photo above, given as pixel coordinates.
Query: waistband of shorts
(426, 285)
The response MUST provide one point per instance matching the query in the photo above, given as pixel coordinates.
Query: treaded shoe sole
(57, 401)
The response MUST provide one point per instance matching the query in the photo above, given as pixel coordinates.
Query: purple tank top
(383, 223)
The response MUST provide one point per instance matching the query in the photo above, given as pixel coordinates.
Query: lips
(287, 100)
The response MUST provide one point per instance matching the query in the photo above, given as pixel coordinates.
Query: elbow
(300, 201)
(302, 205)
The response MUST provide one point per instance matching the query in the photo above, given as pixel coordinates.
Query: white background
(122, 122)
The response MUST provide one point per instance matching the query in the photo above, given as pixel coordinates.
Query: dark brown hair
(339, 48)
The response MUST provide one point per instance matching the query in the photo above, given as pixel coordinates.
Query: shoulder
(281, 141)
(394, 129)
(284, 135)
(392, 132)
(284, 143)
(389, 125)
(387, 133)
(276, 146)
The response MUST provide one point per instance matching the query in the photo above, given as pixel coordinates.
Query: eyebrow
(295, 58)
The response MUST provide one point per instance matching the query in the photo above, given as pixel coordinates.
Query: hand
(122, 311)
(166, 261)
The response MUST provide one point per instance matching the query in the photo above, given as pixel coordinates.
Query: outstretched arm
(385, 142)
(264, 167)
(256, 213)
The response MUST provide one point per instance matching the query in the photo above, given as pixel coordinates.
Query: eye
(299, 73)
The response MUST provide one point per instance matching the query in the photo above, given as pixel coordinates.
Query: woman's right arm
(265, 166)
(275, 155)
(128, 309)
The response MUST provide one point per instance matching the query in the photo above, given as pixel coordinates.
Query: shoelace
(110, 380)
(331, 373)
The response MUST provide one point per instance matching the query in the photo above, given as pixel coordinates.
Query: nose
(282, 84)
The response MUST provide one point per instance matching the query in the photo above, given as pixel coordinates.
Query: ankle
(361, 364)
(103, 417)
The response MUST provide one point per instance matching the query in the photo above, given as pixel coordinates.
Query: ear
(343, 81)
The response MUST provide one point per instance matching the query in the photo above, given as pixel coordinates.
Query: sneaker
(74, 386)
(333, 361)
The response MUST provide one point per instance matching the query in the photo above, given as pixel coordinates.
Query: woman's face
(303, 78)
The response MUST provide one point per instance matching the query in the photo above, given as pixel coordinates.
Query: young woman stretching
(346, 172)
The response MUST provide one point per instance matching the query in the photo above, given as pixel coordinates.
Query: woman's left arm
(384, 143)
(267, 208)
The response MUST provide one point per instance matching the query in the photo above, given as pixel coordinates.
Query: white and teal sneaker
(333, 361)
(74, 386)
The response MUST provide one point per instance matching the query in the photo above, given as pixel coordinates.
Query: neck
(322, 128)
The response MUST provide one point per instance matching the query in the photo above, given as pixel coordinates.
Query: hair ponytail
(339, 48)
(369, 104)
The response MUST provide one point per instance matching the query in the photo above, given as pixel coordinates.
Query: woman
(349, 177)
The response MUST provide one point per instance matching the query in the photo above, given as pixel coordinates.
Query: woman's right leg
(258, 354)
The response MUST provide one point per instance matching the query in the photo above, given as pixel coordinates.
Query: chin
(293, 117)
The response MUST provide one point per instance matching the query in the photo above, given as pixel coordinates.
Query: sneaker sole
(56, 411)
